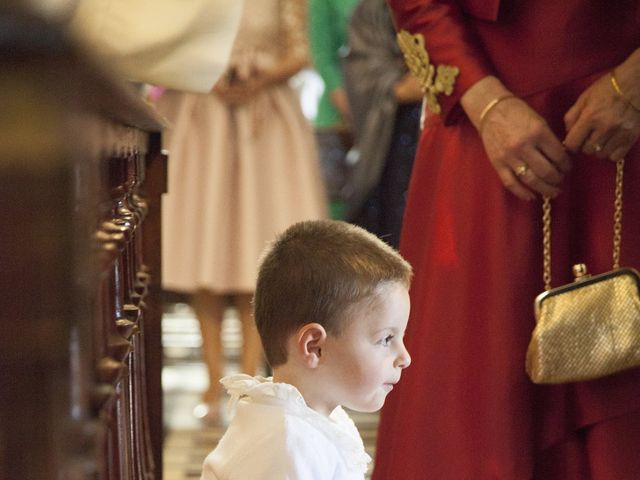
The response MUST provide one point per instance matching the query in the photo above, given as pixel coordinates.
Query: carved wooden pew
(81, 175)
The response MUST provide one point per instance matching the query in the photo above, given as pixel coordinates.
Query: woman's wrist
(490, 106)
(482, 97)
(625, 80)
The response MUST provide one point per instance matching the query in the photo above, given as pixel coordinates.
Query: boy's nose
(404, 359)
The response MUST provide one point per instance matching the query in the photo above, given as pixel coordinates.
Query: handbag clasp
(580, 272)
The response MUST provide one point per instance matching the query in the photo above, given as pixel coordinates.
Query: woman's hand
(236, 92)
(602, 122)
(525, 153)
(407, 89)
(340, 101)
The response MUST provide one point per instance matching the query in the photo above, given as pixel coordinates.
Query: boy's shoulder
(264, 441)
(277, 425)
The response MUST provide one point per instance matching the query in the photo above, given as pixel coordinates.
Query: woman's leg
(209, 308)
(251, 358)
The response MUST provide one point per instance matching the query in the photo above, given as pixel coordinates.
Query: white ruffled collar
(338, 426)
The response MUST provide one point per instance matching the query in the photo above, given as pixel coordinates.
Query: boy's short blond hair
(313, 272)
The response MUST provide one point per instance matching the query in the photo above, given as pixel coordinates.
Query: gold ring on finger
(522, 170)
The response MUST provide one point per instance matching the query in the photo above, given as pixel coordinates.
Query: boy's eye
(386, 340)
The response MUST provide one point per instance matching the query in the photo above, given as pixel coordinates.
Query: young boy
(331, 305)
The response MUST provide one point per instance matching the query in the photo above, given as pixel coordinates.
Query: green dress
(328, 22)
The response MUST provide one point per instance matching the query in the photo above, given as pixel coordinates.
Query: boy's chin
(369, 408)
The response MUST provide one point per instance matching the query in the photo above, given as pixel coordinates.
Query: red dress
(465, 409)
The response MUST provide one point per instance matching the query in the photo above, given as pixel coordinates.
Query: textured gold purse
(590, 328)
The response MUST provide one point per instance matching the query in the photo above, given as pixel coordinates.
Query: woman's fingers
(535, 182)
(541, 173)
(531, 173)
(577, 136)
(523, 181)
(572, 115)
(551, 149)
(512, 183)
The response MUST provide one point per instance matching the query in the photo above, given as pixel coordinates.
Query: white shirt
(274, 435)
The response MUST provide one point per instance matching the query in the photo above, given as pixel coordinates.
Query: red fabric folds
(465, 409)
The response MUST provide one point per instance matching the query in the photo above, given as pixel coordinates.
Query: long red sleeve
(448, 41)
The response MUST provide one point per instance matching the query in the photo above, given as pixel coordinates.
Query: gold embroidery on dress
(417, 60)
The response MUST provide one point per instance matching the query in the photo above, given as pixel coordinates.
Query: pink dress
(238, 175)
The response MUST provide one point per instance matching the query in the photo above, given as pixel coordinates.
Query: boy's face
(361, 365)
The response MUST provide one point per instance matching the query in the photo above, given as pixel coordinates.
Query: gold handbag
(590, 328)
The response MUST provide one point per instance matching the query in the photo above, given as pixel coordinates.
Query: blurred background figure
(244, 167)
(385, 102)
(327, 33)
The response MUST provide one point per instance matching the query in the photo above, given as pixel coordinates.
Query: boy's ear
(310, 339)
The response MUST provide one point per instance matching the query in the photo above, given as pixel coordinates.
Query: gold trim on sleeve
(417, 60)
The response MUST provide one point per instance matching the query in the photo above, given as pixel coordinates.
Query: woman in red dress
(533, 75)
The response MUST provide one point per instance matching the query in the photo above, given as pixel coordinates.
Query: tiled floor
(184, 379)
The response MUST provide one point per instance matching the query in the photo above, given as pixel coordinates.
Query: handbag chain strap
(617, 228)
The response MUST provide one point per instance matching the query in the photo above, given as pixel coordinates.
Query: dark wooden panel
(81, 174)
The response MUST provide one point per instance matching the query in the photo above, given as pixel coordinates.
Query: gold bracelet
(618, 90)
(492, 104)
